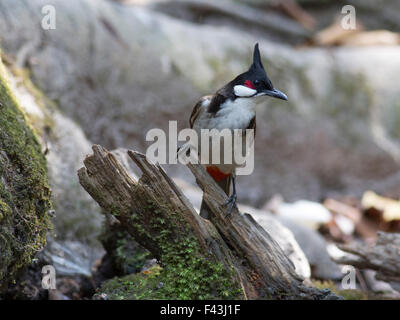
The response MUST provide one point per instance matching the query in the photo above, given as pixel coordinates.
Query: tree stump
(225, 257)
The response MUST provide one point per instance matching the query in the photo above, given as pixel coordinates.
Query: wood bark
(383, 256)
(237, 241)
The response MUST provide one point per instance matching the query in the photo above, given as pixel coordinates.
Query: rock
(125, 254)
(74, 279)
(192, 192)
(69, 257)
(315, 249)
(283, 236)
(169, 63)
(232, 14)
(378, 286)
(369, 13)
(24, 188)
(100, 296)
(149, 264)
(307, 213)
(29, 284)
(77, 215)
(57, 295)
(395, 285)
(344, 224)
(74, 245)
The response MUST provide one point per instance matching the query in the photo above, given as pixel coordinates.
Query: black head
(255, 82)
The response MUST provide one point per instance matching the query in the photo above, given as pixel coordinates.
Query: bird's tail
(225, 184)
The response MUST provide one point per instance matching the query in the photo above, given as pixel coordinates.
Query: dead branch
(383, 256)
(154, 205)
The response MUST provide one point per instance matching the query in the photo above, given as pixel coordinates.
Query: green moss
(24, 189)
(40, 125)
(346, 294)
(5, 210)
(188, 275)
(183, 277)
(134, 286)
(186, 272)
(126, 255)
(130, 259)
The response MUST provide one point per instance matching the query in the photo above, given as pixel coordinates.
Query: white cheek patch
(243, 91)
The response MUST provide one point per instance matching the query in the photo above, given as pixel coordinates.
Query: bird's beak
(275, 93)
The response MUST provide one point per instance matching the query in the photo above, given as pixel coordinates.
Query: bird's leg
(232, 198)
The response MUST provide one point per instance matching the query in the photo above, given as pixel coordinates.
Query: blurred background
(112, 70)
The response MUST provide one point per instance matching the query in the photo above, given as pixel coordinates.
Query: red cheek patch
(249, 84)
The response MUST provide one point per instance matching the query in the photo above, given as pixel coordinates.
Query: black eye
(256, 82)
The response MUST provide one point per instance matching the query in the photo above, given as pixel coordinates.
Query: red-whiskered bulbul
(232, 107)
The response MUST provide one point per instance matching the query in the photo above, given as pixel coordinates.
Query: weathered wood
(383, 256)
(261, 255)
(154, 205)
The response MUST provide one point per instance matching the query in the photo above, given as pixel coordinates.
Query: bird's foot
(231, 203)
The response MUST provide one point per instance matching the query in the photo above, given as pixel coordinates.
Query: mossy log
(24, 188)
(226, 257)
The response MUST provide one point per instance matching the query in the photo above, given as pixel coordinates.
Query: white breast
(235, 114)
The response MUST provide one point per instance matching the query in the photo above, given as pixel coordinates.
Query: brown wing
(196, 110)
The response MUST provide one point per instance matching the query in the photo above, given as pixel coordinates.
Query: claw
(232, 203)
(232, 199)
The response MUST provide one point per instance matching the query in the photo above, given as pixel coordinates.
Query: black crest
(257, 71)
(254, 78)
(257, 64)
